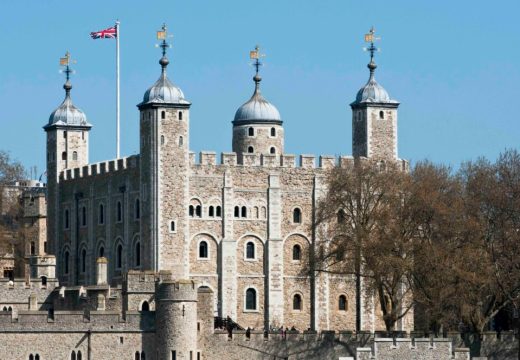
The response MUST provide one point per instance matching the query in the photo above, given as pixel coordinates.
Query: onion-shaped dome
(67, 114)
(372, 92)
(164, 91)
(257, 109)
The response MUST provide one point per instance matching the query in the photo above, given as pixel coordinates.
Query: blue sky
(453, 65)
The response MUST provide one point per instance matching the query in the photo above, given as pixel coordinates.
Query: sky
(453, 65)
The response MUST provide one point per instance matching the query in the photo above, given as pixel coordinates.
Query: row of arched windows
(76, 356)
(34, 357)
(140, 355)
(251, 150)
(297, 301)
(213, 211)
(7, 309)
(101, 214)
(163, 115)
(249, 251)
(251, 132)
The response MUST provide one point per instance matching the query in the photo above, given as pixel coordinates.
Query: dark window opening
(219, 211)
(250, 299)
(119, 211)
(251, 131)
(243, 212)
(101, 214)
(83, 260)
(64, 155)
(145, 306)
(84, 216)
(66, 262)
(33, 248)
(342, 303)
(250, 250)
(250, 150)
(273, 132)
(119, 257)
(79, 355)
(296, 252)
(172, 226)
(101, 251)
(297, 302)
(237, 211)
(381, 115)
(67, 219)
(211, 211)
(138, 254)
(191, 211)
(297, 216)
(273, 150)
(137, 209)
(198, 211)
(341, 216)
(44, 280)
(203, 250)
(64, 134)
(180, 115)
(163, 114)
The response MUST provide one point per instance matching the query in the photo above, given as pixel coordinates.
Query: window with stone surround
(219, 211)
(101, 251)
(250, 250)
(297, 216)
(203, 250)
(211, 211)
(73, 355)
(145, 306)
(273, 132)
(192, 210)
(198, 211)
(250, 299)
(297, 302)
(273, 150)
(251, 131)
(342, 303)
(250, 150)
(64, 155)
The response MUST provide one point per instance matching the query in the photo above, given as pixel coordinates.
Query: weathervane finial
(256, 55)
(163, 35)
(65, 62)
(370, 37)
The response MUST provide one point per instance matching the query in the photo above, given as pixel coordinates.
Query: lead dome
(257, 109)
(373, 92)
(67, 113)
(164, 91)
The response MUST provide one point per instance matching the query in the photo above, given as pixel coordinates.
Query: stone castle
(150, 256)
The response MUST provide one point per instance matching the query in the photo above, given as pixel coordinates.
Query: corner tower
(164, 132)
(67, 147)
(374, 116)
(257, 127)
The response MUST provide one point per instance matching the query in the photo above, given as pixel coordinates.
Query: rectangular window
(174, 355)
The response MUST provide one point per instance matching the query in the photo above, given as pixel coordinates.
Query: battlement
(20, 283)
(418, 348)
(303, 161)
(101, 168)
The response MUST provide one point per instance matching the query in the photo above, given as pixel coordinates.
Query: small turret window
(219, 211)
(83, 260)
(251, 131)
(74, 155)
(297, 216)
(273, 132)
(250, 150)
(162, 139)
(180, 115)
(181, 141)
(172, 226)
(273, 150)
(203, 250)
(163, 115)
(381, 115)
(64, 134)
(64, 155)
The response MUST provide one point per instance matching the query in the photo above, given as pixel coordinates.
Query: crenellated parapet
(101, 168)
(303, 161)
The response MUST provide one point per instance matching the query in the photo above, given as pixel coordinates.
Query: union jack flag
(110, 33)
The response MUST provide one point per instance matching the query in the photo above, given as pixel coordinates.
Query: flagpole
(117, 91)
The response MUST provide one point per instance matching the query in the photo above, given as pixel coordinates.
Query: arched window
(137, 356)
(64, 134)
(250, 150)
(31, 357)
(181, 141)
(5, 308)
(381, 114)
(137, 210)
(297, 302)
(74, 155)
(342, 303)
(219, 211)
(143, 355)
(66, 263)
(10, 309)
(273, 150)
(243, 212)
(101, 214)
(296, 252)
(67, 219)
(83, 260)
(163, 114)
(250, 250)
(37, 357)
(33, 248)
(145, 306)
(180, 115)
(73, 355)
(101, 251)
(119, 214)
(162, 139)
(273, 132)
(250, 299)
(191, 210)
(64, 155)
(79, 355)
(256, 212)
(137, 254)
(44, 280)
(237, 211)
(172, 226)
(198, 211)
(341, 216)
(264, 212)
(84, 216)
(297, 216)
(211, 211)
(203, 250)
(119, 257)
(251, 132)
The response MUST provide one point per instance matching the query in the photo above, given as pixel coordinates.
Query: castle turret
(176, 319)
(374, 117)
(67, 147)
(257, 127)
(164, 129)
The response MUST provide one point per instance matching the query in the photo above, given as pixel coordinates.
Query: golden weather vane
(66, 61)
(163, 35)
(256, 55)
(371, 37)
